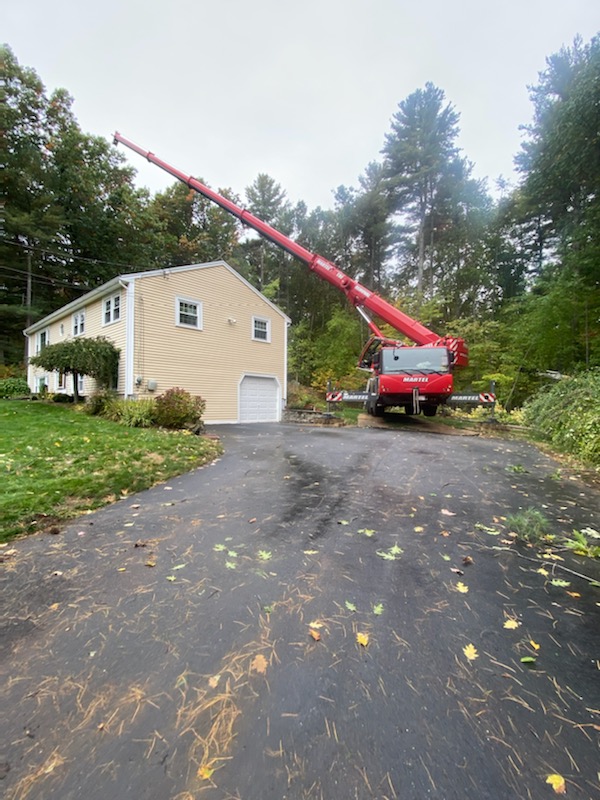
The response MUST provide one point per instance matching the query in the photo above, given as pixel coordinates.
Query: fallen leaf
(528, 660)
(543, 572)
(535, 645)
(259, 664)
(445, 533)
(456, 571)
(317, 624)
(378, 609)
(447, 513)
(367, 531)
(574, 594)
(150, 564)
(264, 555)
(395, 550)
(252, 520)
(511, 624)
(461, 587)
(552, 556)
(470, 652)
(350, 606)
(178, 566)
(446, 557)
(557, 782)
(387, 556)
(315, 634)
(171, 578)
(559, 582)
(343, 522)
(213, 681)
(310, 552)
(363, 639)
(467, 560)
(205, 772)
(121, 569)
(230, 564)
(419, 529)
(232, 553)
(219, 548)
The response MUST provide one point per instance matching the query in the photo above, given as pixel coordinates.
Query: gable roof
(123, 280)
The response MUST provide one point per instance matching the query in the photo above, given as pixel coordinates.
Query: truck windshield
(414, 359)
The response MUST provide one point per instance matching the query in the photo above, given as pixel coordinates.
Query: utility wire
(69, 256)
(44, 279)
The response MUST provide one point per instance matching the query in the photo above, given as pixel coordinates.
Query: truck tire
(429, 411)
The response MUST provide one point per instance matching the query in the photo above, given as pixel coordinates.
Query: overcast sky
(303, 91)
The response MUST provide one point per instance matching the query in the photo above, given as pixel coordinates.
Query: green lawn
(56, 461)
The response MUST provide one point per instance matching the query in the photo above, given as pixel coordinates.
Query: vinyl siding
(93, 327)
(210, 362)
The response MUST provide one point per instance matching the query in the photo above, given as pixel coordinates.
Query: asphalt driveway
(322, 613)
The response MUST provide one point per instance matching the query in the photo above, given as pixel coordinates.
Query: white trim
(267, 321)
(199, 313)
(110, 298)
(129, 337)
(78, 322)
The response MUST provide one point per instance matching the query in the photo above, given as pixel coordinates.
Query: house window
(42, 384)
(261, 329)
(61, 382)
(112, 309)
(79, 323)
(188, 313)
(80, 384)
(43, 339)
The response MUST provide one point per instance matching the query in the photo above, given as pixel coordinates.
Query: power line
(45, 279)
(69, 256)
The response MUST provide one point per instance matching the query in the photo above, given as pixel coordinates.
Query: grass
(57, 462)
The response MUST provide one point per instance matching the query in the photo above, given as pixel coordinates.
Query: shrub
(177, 408)
(568, 415)
(136, 413)
(98, 403)
(13, 387)
(61, 397)
(530, 525)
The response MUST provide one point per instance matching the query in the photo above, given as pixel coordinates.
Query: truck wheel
(429, 411)
(378, 410)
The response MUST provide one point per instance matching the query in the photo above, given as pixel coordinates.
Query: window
(261, 329)
(79, 323)
(80, 383)
(61, 382)
(112, 309)
(188, 313)
(43, 339)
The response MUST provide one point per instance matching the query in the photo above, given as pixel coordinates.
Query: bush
(13, 387)
(568, 415)
(61, 397)
(98, 403)
(135, 413)
(177, 408)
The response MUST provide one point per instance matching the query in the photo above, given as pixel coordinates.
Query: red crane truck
(415, 377)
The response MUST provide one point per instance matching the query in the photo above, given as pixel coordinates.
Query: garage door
(259, 399)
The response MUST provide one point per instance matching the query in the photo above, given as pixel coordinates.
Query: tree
(417, 153)
(97, 357)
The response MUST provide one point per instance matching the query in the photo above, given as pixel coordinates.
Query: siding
(209, 362)
(61, 330)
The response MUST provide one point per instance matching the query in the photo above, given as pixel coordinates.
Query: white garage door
(259, 399)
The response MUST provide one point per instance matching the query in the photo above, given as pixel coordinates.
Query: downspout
(129, 338)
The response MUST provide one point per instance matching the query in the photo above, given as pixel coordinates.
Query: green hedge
(13, 387)
(567, 414)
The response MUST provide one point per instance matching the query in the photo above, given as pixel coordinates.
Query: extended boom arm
(358, 295)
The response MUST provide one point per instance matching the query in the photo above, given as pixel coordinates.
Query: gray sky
(303, 91)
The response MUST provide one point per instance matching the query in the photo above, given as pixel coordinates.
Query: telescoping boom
(387, 392)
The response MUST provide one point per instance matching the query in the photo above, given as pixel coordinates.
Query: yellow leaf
(552, 556)
(213, 681)
(419, 529)
(363, 639)
(121, 569)
(535, 645)
(470, 652)
(205, 772)
(557, 782)
(574, 594)
(259, 664)
(543, 572)
(511, 624)
(315, 634)
(461, 587)
(315, 624)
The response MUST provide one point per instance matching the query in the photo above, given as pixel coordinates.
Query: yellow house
(201, 327)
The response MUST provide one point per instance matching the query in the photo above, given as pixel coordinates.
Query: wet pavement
(322, 613)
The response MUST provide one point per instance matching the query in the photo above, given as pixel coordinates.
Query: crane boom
(358, 295)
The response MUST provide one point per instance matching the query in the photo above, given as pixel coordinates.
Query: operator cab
(421, 360)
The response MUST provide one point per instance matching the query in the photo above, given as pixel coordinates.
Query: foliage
(98, 403)
(57, 463)
(579, 542)
(177, 408)
(13, 387)
(568, 415)
(530, 525)
(97, 357)
(134, 413)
